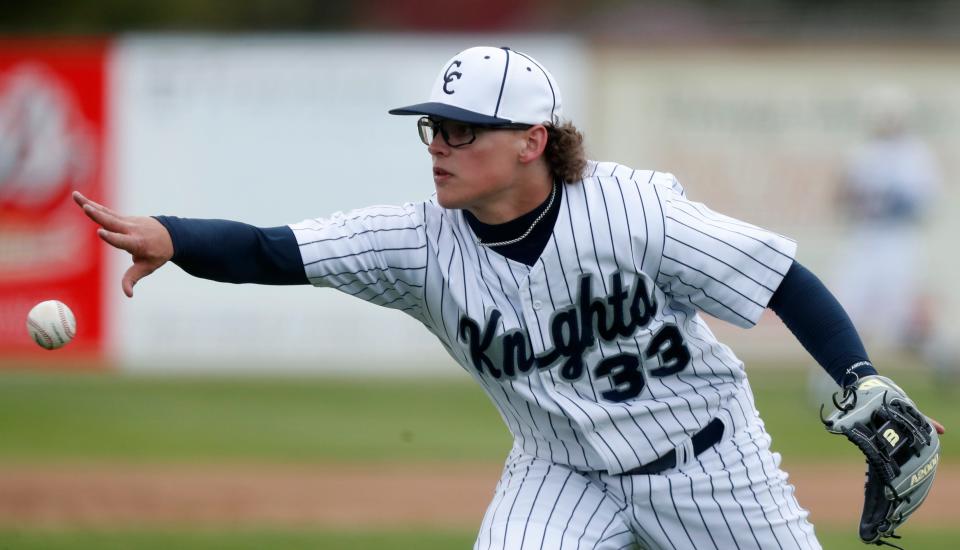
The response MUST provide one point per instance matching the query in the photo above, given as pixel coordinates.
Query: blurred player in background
(886, 190)
(888, 187)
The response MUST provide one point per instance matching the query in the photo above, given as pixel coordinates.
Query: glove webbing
(906, 417)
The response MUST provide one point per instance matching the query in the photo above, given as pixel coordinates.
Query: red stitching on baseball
(61, 309)
(41, 332)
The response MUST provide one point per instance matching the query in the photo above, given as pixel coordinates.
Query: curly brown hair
(564, 153)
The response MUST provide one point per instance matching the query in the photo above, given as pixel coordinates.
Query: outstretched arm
(220, 250)
(235, 252)
(147, 241)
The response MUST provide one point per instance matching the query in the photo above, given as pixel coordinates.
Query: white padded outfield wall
(275, 129)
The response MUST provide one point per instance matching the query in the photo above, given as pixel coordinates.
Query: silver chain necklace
(553, 193)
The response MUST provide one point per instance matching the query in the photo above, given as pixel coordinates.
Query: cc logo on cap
(450, 75)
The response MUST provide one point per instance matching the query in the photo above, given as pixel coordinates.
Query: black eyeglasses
(456, 133)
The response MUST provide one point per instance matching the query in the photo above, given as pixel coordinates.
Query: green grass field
(942, 539)
(65, 418)
(243, 539)
(246, 539)
(51, 417)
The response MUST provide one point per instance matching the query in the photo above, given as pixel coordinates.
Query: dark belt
(702, 440)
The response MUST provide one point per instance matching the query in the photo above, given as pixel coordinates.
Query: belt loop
(684, 452)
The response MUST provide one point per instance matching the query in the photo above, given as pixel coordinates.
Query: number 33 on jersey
(574, 330)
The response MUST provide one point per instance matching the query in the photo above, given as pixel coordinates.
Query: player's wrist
(170, 244)
(856, 372)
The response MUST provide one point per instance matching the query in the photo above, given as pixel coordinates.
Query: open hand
(146, 239)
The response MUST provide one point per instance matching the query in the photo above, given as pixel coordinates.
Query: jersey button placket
(530, 308)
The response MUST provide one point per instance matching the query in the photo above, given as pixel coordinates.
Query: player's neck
(517, 199)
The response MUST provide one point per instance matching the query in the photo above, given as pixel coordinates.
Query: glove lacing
(882, 542)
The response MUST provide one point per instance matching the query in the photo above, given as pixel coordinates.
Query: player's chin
(449, 203)
(448, 197)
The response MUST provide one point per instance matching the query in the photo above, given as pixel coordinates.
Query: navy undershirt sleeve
(235, 252)
(820, 323)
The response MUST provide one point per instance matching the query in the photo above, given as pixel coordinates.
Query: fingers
(118, 240)
(127, 286)
(106, 219)
(937, 426)
(137, 271)
(82, 201)
(132, 235)
(79, 198)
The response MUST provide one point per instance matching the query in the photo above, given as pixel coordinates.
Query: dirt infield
(336, 495)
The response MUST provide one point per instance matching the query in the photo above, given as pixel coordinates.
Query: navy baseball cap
(487, 85)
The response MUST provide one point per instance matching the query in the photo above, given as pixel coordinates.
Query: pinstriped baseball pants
(733, 496)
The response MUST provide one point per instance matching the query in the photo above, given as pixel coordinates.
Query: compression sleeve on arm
(820, 323)
(234, 252)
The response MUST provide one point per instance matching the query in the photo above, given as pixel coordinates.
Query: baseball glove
(901, 446)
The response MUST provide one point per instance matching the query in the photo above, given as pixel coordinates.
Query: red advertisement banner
(52, 141)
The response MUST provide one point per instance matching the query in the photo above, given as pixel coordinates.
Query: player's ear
(534, 142)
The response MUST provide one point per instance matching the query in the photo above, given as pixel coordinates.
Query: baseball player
(571, 291)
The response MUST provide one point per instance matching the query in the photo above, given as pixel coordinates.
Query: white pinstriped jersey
(595, 356)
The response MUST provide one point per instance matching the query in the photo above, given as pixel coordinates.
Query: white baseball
(51, 324)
